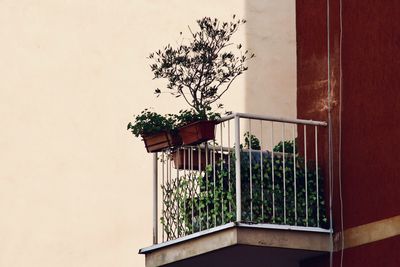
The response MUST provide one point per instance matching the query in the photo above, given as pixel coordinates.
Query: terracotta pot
(160, 141)
(197, 132)
(184, 161)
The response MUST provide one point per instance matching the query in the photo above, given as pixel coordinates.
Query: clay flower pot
(185, 159)
(160, 141)
(197, 132)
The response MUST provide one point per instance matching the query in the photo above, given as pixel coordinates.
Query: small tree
(203, 69)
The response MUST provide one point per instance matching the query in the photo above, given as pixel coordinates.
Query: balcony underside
(237, 244)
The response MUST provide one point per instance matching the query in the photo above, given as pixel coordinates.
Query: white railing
(260, 170)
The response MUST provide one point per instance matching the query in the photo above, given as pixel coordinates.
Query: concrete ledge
(310, 241)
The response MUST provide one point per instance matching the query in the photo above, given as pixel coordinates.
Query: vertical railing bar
(273, 171)
(178, 193)
(184, 161)
(305, 171)
(163, 195)
(199, 179)
(262, 172)
(186, 185)
(207, 196)
(193, 187)
(237, 170)
(212, 194)
(214, 186)
(168, 194)
(284, 173)
(250, 172)
(170, 168)
(171, 184)
(316, 171)
(222, 176)
(294, 174)
(229, 164)
(155, 198)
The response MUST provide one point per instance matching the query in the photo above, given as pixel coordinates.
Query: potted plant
(200, 70)
(158, 131)
(195, 128)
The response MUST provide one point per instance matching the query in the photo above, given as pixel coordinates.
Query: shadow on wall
(271, 79)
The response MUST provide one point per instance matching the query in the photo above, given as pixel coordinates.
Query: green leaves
(201, 68)
(278, 195)
(149, 122)
(288, 146)
(250, 139)
(157, 92)
(190, 115)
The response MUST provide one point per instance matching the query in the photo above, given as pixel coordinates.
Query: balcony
(253, 195)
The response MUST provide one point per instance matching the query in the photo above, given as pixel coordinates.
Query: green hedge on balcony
(196, 202)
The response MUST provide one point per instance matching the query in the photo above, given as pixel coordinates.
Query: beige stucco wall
(75, 186)
(271, 33)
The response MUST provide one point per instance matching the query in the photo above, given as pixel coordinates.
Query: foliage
(278, 193)
(149, 122)
(273, 191)
(190, 115)
(197, 202)
(251, 139)
(202, 69)
(288, 146)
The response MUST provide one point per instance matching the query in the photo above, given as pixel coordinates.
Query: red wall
(370, 109)
(312, 76)
(378, 254)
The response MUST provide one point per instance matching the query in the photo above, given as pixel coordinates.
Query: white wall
(75, 186)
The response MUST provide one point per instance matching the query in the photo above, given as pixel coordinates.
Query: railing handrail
(272, 118)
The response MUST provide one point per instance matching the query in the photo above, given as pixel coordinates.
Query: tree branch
(226, 89)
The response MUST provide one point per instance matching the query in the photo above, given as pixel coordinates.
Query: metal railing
(260, 170)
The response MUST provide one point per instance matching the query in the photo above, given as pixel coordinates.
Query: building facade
(347, 69)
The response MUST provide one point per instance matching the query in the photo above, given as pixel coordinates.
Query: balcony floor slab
(239, 244)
